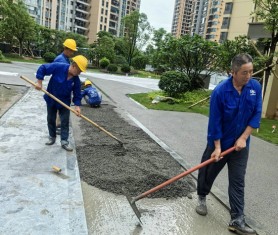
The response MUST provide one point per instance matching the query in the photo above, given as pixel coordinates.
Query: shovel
(162, 185)
(69, 108)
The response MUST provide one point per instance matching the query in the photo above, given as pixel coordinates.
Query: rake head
(133, 205)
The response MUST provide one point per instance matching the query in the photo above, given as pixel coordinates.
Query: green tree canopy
(16, 26)
(137, 32)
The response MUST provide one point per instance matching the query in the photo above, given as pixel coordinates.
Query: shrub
(174, 83)
(49, 57)
(1, 55)
(140, 61)
(112, 68)
(119, 59)
(125, 68)
(104, 62)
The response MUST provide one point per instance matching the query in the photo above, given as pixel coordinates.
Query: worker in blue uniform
(235, 110)
(69, 50)
(91, 95)
(63, 83)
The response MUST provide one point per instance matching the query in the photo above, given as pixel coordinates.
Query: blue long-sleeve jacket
(62, 59)
(94, 96)
(231, 113)
(58, 84)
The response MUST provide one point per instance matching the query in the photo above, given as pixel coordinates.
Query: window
(228, 8)
(100, 27)
(223, 36)
(225, 23)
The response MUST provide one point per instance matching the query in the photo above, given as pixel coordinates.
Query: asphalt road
(185, 135)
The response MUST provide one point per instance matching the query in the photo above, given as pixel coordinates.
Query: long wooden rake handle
(177, 177)
(69, 108)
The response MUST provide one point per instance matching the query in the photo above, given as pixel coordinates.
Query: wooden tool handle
(69, 108)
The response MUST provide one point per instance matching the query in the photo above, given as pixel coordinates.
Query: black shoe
(239, 226)
(50, 141)
(201, 207)
(67, 147)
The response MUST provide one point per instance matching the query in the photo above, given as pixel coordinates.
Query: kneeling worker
(91, 95)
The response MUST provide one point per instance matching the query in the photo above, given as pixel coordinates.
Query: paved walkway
(34, 199)
(184, 134)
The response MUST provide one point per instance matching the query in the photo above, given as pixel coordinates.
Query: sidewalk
(34, 199)
(185, 135)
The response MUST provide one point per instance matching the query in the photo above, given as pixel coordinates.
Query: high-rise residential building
(214, 20)
(55, 14)
(183, 17)
(85, 17)
(106, 15)
(200, 16)
(236, 18)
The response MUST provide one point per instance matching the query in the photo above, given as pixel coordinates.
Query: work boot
(239, 226)
(201, 207)
(67, 147)
(51, 141)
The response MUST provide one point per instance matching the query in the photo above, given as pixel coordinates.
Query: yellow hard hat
(88, 82)
(81, 62)
(71, 44)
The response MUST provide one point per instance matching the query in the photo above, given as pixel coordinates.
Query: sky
(159, 13)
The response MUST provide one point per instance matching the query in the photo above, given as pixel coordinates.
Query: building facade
(215, 20)
(107, 15)
(85, 17)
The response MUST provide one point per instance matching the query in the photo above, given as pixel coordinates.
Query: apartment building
(215, 20)
(106, 15)
(183, 17)
(56, 14)
(85, 17)
(236, 18)
(199, 18)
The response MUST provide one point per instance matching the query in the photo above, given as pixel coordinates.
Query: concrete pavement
(34, 199)
(183, 133)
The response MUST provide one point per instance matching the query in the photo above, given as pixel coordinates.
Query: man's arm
(39, 84)
(241, 141)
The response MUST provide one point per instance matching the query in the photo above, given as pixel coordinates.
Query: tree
(267, 11)
(16, 23)
(104, 47)
(137, 32)
(192, 55)
(231, 48)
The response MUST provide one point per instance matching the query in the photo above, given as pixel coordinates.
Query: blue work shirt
(59, 85)
(62, 59)
(94, 96)
(231, 112)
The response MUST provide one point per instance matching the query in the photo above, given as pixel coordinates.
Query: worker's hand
(38, 86)
(216, 154)
(240, 144)
(78, 111)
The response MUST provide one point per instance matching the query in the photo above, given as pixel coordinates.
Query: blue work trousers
(237, 163)
(64, 114)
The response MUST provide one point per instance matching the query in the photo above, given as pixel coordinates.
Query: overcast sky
(159, 12)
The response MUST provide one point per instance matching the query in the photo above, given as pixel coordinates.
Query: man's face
(68, 52)
(74, 70)
(244, 74)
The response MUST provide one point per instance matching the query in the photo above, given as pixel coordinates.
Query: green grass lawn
(25, 59)
(264, 132)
